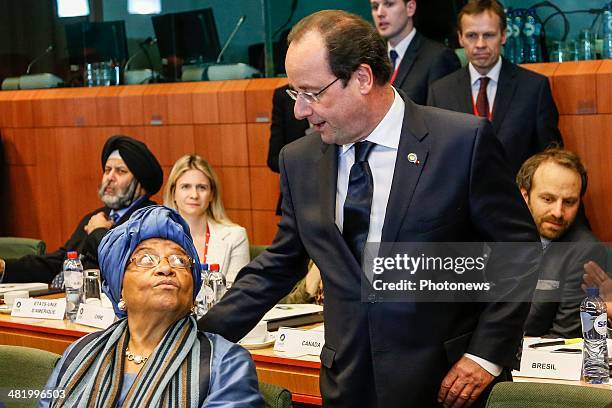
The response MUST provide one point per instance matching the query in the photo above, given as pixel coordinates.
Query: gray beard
(123, 198)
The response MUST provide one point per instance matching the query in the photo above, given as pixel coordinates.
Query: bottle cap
(592, 292)
(72, 254)
(213, 267)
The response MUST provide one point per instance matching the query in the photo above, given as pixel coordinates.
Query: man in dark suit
(431, 175)
(131, 174)
(552, 183)
(518, 102)
(284, 129)
(416, 60)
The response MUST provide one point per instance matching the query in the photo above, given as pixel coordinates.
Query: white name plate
(546, 364)
(297, 342)
(95, 316)
(39, 308)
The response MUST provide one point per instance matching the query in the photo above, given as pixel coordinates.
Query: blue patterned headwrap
(119, 243)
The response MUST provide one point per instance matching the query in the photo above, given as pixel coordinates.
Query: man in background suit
(130, 175)
(381, 168)
(552, 183)
(284, 129)
(518, 102)
(416, 60)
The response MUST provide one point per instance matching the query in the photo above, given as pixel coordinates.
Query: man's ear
(525, 195)
(411, 8)
(365, 78)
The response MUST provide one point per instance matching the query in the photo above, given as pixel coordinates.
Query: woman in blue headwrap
(154, 354)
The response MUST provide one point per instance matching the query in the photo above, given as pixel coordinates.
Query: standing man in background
(416, 61)
(518, 102)
(130, 175)
(380, 168)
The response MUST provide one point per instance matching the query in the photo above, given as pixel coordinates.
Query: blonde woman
(193, 190)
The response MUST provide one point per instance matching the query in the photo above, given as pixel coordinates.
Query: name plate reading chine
(297, 342)
(95, 316)
(39, 308)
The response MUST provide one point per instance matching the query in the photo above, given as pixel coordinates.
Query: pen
(555, 343)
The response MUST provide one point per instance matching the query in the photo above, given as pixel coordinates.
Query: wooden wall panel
(131, 105)
(575, 87)
(547, 69)
(264, 188)
(232, 103)
(259, 99)
(264, 226)
(155, 105)
(80, 108)
(604, 87)
(108, 112)
(205, 102)
(17, 145)
(168, 143)
(236, 188)
(207, 140)
(258, 140)
(180, 104)
(21, 113)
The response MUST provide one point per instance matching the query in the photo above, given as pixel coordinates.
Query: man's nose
(301, 109)
(557, 209)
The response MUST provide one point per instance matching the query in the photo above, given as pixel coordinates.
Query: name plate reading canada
(296, 342)
(95, 316)
(39, 308)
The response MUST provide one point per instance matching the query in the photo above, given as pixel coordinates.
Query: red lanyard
(206, 244)
(394, 75)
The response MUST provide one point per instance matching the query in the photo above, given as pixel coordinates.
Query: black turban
(139, 159)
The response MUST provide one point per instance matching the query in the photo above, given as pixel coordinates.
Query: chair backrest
(275, 396)
(546, 395)
(25, 368)
(255, 250)
(14, 247)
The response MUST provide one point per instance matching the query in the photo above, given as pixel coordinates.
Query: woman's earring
(122, 305)
(194, 309)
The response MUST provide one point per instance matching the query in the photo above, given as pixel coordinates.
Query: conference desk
(299, 375)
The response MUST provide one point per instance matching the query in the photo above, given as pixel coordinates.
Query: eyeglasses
(149, 261)
(309, 97)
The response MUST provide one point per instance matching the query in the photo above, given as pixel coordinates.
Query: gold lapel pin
(412, 158)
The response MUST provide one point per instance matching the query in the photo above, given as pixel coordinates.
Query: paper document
(8, 287)
(291, 310)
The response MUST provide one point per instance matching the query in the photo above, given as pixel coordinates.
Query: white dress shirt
(386, 137)
(493, 75)
(401, 47)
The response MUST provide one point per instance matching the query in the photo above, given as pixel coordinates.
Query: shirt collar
(121, 211)
(403, 45)
(386, 133)
(493, 74)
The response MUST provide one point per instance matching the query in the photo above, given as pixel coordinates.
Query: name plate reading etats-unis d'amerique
(296, 342)
(39, 308)
(95, 316)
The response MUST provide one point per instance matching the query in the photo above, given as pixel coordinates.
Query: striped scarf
(170, 377)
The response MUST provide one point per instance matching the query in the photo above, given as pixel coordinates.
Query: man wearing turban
(131, 174)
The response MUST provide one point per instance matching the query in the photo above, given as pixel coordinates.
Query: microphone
(230, 38)
(147, 42)
(48, 50)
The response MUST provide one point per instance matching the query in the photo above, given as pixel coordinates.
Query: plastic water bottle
(607, 32)
(73, 282)
(517, 33)
(201, 308)
(594, 331)
(531, 42)
(510, 43)
(215, 286)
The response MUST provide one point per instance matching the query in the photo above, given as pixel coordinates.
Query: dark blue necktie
(393, 56)
(358, 201)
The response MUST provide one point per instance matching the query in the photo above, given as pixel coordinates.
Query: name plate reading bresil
(546, 364)
(95, 316)
(39, 308)
(297, 342)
